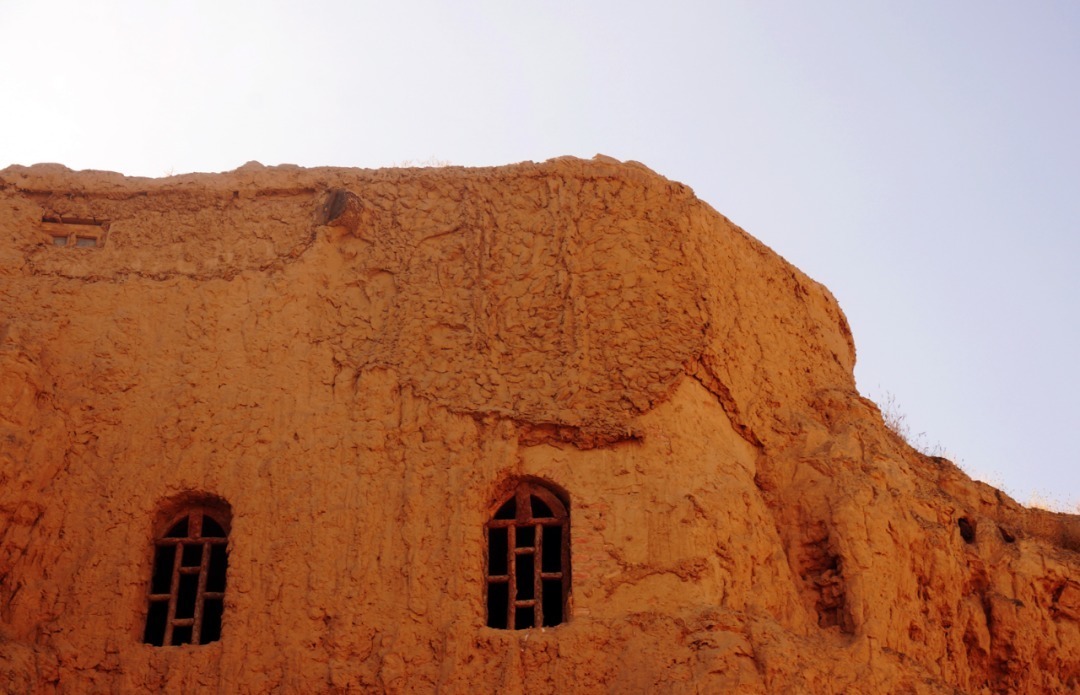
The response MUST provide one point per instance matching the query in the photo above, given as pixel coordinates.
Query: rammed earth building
(546, 428)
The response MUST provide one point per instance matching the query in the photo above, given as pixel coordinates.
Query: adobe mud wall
(360, 362)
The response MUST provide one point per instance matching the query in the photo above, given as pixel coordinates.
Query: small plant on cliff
(896, 420)
(430, 162)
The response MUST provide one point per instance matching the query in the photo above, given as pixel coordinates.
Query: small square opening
(60, 241)
(86, 242)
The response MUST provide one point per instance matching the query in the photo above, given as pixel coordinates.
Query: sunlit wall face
(919, 160)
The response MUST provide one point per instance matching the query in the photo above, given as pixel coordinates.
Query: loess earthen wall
(360, 362)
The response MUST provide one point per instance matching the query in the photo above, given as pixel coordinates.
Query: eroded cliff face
(359, 361)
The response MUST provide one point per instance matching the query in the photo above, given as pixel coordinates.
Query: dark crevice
(704, 376)
(967, 529)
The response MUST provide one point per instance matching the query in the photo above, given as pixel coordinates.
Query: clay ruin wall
(363, 362)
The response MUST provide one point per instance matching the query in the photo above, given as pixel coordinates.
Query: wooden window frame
(75, 232)
(194, 538)
(522, 496)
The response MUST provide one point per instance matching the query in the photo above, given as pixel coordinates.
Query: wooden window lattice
(187, 589)
(528, 567)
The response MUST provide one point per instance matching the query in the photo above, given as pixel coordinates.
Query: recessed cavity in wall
(77, 232)
(967, 529)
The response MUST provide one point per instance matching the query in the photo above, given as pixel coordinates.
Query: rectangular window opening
(79, 232)
(213, 609)
(181, 634)
(161, 583)
(185, 601)
(524, 618)
(525, 578)
(215, 573)
(497, 553)
(498, 596)
(552, 560)
(192, 555)
(553, 602)
(155, 623)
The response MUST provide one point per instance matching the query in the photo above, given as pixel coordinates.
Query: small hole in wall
(86, 242)
(59, 241)
(967, 529)
(1006, 536)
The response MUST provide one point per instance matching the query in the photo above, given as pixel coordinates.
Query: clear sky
(921, 159)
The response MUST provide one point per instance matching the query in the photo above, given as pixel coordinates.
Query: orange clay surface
(362, 362)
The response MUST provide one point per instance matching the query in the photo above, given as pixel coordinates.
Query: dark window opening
(524, 575)
(508, 510)
(497, 551)
(215, 574)
(523, 620)
(179, 529)
(539, 509)
(211, 624)
(528, 560)
(497, 599)
(553, 607)
(192, 556)
(181, 635)
(187, 588)
(552, 553)
(211, 528)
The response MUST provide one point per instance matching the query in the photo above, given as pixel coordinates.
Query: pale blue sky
(921, 159)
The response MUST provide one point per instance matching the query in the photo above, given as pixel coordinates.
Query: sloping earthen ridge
(360, 362)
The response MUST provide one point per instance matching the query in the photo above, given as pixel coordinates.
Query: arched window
(187, 588)
(528, 559)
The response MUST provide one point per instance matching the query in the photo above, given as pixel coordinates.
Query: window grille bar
(187, 584)
(161, 542)
(564, 566)
(204, 565)
(174, 592)
(504, 523)
(511, 569)
(538, 582)
(528, 497)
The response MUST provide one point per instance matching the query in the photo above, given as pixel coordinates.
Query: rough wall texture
(361, 361)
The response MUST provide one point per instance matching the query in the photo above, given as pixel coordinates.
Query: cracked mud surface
(359, 360)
